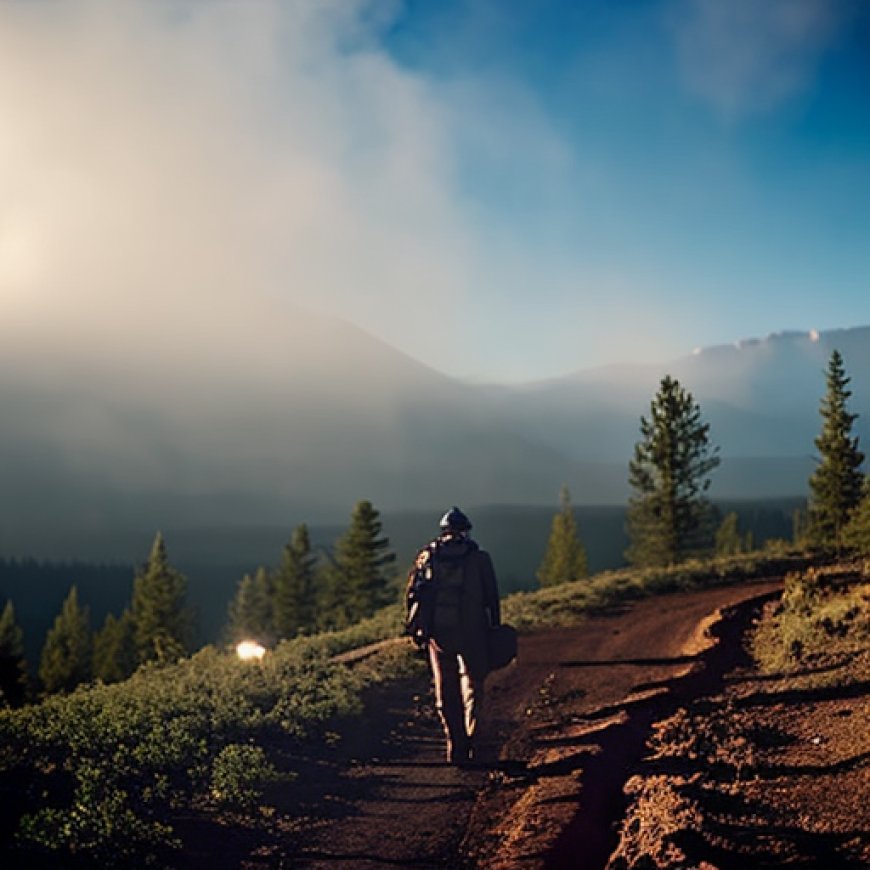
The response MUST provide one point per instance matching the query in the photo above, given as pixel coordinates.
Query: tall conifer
(161, 621)
(13, 666)
(835, 485)
(361, 578)
(114, 649)
(66, 656)
(251, 611)
(294, 586)
(565, 556)
(669, 517)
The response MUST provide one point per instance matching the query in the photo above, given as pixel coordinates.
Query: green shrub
(238, 775)
(814, 617)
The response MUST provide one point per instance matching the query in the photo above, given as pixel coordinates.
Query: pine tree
(729, 540)
(114, 657)
(294, 586)
(250, 612)
(66, 656)
(669, 517)
(565, 557)
(161, 621)
(13, 666)
(360, 580)
(835, 485)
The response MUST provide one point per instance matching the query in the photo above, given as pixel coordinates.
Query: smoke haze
(177, 176)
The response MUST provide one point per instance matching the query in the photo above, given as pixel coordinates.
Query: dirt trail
(564, 725)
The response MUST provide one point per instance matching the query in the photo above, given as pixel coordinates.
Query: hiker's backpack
(436, 590)
(449, 571)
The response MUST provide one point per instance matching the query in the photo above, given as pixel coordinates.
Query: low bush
(823, 611)
(107, 765)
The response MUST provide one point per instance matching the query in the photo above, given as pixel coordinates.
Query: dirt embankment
(773, 770)
(588, 728)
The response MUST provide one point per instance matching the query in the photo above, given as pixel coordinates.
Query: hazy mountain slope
(301, 416)
(330, 416)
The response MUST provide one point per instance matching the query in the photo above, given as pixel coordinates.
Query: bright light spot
(250, 649)
(814, 335)
(20, 259)
(696, 351)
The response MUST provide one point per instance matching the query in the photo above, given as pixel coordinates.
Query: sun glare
(250, 649)
(19, 262)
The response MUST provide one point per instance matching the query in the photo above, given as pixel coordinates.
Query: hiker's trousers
(458, 698)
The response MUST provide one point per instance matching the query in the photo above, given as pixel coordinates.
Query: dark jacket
(454, 588)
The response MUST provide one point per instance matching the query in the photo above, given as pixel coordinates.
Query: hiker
(452, 601)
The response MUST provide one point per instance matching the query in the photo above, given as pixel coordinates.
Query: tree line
(308, 592)
(669, 516)
(156, 625)
(669, 519)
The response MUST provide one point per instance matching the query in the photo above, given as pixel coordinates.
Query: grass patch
(564, 604)
(824, 613)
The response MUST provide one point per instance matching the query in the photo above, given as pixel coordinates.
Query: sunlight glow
(250, 649)
(19, 262)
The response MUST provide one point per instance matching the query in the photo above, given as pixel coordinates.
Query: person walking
(452, 601)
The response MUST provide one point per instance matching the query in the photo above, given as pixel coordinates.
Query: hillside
(240, 439)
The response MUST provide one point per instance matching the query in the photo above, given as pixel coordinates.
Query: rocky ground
(773, 770)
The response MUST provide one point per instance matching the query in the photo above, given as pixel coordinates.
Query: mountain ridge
(305, 430)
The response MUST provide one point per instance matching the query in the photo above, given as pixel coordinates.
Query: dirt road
(565, 722)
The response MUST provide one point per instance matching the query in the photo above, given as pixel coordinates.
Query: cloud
(744, 57)
(170, 170)
(177, 178)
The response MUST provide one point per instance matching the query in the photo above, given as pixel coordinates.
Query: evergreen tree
(669, 517)
(360, 580)
(250, 612)
(330, 607)
(729, 540)
(13, 666)
(114, 656)
(835, 485)
(66, 656)
(294, 586)
(161, 621)
(565, 557)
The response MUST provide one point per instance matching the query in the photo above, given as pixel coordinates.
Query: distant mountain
(760, 396)
(305, 415)
(330, 415)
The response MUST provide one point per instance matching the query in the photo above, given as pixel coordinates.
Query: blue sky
(716, 155)
(504, 190)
